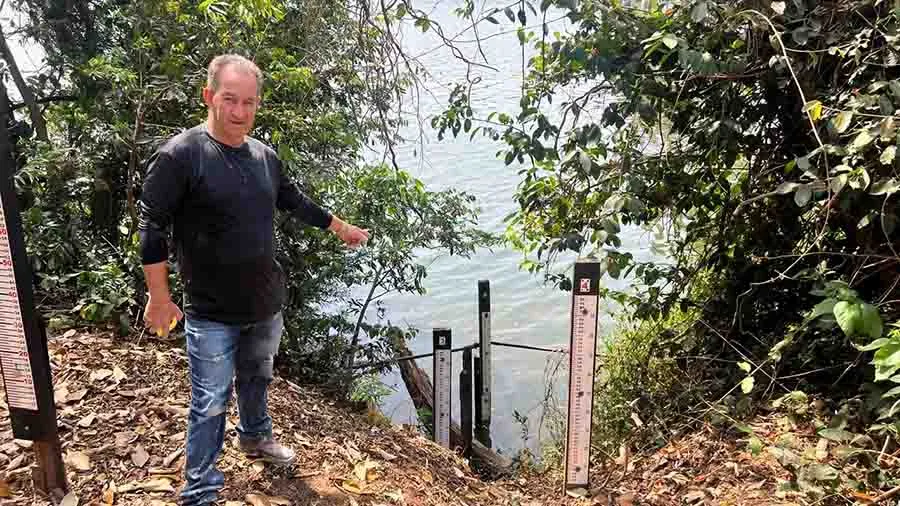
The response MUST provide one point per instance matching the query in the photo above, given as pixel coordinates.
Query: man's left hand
(353, 236)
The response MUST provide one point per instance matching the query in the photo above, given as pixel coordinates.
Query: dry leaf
(167, 462)
(385, 455)
(353, 486)
(118, 374)
(264, 500)
(158, 485)
(69, 500)
(100, 374)
(234, 503)
(69, 333)
(77, 395)
(16, 463)
(109, 495)
(139, 456)
(306, 474)
(87, 420)
(427, 477)
(459, 474)
(258, 466)
(78, 460)
(4, 489)
(395, 496)
(365, 471)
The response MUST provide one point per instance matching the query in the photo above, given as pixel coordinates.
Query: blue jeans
(217, 353)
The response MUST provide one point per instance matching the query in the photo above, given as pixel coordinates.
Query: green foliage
(134, 71)
(369, 389)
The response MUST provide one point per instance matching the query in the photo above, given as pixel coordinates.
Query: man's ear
(208, 95)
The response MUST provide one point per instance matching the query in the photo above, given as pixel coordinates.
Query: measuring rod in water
(484, 334)
(582, 347)
(442, 382)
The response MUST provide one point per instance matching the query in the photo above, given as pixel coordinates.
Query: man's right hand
(161, 315)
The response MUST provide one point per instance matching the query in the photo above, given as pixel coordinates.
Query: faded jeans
(218, 353)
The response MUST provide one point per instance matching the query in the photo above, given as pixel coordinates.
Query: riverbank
(122, 408)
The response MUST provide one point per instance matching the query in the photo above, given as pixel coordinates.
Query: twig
(887, 495)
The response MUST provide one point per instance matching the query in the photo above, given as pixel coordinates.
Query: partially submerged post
(582, 361)
(465, 402)
(483, 369)
(443, 359)
(24, 360)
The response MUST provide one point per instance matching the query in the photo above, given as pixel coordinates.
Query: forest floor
(122, 410)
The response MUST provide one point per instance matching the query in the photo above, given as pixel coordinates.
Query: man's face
(234, 104)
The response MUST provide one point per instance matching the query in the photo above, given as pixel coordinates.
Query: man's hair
(241, 63)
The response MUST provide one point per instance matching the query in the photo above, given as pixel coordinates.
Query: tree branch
(37, 120)
(47, 100)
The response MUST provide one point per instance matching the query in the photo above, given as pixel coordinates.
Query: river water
(524, 310)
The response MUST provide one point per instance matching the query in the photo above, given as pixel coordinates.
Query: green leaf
(755, 446)
(894, 392)
(887, 156)
(837, 435)
(670, 40)
(887, 360)
(786, 187)
(803, 163)
(745, 366)
(585, 160)
(874, 345)
(509, 13)
(822, 472)
(862, 140)
(885, 187)
(700, 11)
(849, 316)
(803, 195)
(822, 308)
(492, 20)
(871, 325)
(842, 121)
(814, 108)
(747, 384)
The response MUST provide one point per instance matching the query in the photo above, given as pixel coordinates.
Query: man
(218, 188)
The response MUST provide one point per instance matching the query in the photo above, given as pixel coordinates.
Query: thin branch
(37, 119)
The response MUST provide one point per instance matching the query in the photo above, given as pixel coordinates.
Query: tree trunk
(422, 393)
(37, 119)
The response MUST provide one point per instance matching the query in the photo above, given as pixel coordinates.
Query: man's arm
(164, 187)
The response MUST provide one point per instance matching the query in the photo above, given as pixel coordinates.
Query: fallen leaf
(118, 374)
(365, 471)
(234, 503)
(385, 455)
(167, 462)
(264, 500)
(139, 456)
(87, 420)
(109, 495)
(77, 395)
(258, 466)
(395, 496)
(100, 374)
(4, 489)
(354, 487)
(69, 333)
(78, 460)
(16, 463)
(459, 474)
(69, 500)
(427, 477)
(158, 485)
(307, 474)
(162, 470)
(21, 443)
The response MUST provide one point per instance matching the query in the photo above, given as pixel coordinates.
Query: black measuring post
(443, 360)
(24, 360)
(484, 336)
(465, 402)
(582, 361)
(482, 432)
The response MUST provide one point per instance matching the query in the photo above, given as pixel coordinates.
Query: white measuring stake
(14, 359)
(484, 334)
(582, 354)
(442, 378)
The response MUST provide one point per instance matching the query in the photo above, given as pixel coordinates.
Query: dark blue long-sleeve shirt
(220, 202)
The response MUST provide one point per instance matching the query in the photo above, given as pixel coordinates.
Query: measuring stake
(442, 382)
(24, 362)
(465, 402)
(582, 347)
(484, 335)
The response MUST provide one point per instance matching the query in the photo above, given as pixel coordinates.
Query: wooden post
(582, 361)
(24, 360)
(465, 402)
(482, 432)
(443, 360)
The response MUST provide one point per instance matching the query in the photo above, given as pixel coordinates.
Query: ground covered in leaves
(122, 407)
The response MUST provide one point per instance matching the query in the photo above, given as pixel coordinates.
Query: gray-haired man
(219, 189)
